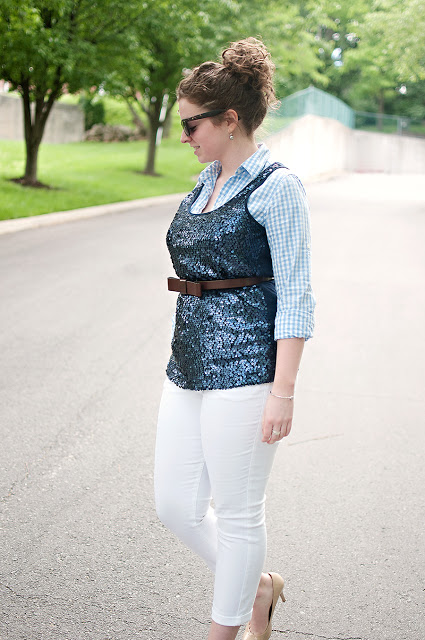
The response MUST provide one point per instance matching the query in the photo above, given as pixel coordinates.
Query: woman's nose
(184, 137)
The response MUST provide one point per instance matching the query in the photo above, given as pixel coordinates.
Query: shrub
(94, 111)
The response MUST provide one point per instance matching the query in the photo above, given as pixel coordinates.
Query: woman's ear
(231, 117)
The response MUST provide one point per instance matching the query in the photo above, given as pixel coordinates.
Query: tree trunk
(30, 176)
(154, 111)
(167, 124)
(34, 126)
(137, 120)
(168, 119)
(381, 106)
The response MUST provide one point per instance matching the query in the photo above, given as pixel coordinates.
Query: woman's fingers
(277, 420)
(275, 432)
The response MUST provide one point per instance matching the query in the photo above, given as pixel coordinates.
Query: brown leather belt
(196, 288)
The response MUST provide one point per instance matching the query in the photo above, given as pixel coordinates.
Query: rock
(111, 133)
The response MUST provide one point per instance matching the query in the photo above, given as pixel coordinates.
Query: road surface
(85, 329)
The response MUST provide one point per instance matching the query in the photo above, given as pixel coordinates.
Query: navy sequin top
(225, 338)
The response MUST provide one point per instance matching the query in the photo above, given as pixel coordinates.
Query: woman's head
(243, 82)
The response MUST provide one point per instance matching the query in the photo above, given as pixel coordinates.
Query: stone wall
(388, 152)
(313, 146)
(65, 122)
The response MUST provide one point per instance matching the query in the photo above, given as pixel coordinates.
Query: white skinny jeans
(209, 446)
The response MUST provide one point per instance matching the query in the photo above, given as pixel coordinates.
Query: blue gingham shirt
(280, 206)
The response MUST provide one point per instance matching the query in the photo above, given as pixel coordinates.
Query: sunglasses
(207, 114)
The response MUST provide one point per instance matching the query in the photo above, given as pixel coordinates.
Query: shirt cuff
(293, 323)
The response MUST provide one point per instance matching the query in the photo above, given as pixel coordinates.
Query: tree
(335, 24)
(289, 30)
(403, 29)
(376, 77)
(180, 35)
(170, 38)
(381, 48)
(47, 46)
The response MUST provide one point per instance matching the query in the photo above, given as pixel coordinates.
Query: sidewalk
(47, 219)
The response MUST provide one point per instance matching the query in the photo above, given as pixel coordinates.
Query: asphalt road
(84, 340)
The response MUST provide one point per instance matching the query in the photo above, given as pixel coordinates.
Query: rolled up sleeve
(287, 224)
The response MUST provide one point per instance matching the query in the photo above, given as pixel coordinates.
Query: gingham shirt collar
(252, 166)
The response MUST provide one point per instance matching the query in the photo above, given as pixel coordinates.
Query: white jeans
(209, 445)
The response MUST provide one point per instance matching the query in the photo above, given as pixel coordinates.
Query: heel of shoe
(282, 596)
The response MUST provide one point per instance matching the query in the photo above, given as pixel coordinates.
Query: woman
(238, 337)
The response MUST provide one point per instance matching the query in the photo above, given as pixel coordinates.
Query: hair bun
(250, 61)
(242, 82)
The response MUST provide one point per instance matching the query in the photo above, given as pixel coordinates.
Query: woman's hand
(277, 419)
(278, 412)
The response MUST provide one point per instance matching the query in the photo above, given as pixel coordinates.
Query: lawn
(83, 174)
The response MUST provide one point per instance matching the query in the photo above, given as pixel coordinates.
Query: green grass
(412, 129)
(84, 174)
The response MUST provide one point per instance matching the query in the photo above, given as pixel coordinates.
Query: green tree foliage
(376, 77)
(289, 31)
(336, 24)
(166, 40)
(170, 38)
(403, 27)
(382, 48)
(180, 35)
(47, 46)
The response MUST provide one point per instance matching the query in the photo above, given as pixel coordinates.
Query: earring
(231, 137)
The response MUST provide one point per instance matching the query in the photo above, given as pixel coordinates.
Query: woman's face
(208, 141)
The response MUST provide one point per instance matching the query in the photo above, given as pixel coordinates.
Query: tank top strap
(188, 201)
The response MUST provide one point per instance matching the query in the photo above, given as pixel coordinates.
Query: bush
(94, 111)
(117, 111)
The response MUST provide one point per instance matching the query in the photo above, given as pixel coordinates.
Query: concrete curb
(47, 219)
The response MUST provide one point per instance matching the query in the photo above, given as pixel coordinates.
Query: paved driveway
(85, 328)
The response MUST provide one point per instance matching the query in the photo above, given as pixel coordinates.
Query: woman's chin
(202, 159)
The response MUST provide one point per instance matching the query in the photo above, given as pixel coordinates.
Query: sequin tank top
(225, 338)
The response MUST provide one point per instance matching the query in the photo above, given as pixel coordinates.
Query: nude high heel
(277, 592)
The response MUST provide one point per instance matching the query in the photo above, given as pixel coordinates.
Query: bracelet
(282, 397)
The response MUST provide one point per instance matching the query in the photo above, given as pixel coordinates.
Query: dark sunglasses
(207, 114)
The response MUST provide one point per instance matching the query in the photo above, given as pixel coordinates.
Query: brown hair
(244, 82)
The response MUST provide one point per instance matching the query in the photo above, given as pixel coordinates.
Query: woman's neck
(239, 150)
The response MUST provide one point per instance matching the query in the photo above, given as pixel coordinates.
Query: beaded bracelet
(282, 397)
